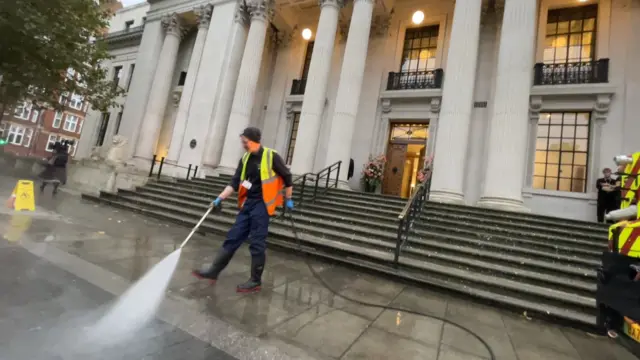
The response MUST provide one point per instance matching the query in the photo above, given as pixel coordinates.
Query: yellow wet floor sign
(22, 196)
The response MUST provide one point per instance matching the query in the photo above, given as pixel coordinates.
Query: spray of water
(137, 306)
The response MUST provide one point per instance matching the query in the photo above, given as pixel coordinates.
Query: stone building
(521, 102)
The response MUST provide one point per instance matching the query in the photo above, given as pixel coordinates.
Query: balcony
(297, 86)
(431, 79)
(588, 72)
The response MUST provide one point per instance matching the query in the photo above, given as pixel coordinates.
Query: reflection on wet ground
(293, 317)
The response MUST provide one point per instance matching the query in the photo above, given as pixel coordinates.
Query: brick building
(29, 131)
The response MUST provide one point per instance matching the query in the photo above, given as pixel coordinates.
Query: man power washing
(259, 179)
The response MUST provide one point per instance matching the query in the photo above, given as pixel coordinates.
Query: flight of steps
(542, 265)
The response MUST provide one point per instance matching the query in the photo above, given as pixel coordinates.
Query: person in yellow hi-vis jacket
(259, 180)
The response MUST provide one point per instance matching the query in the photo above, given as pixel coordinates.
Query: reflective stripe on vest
(629, 184)
(271, 183)
(626, 238)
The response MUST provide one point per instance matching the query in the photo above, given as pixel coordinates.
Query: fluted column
(220, 118)
(504, 178)
(316, 88)
(457, 101)
(260, 11)
(203, 15)
(350, 85)
(160, 88)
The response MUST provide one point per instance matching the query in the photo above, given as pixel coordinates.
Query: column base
(447, 197)
(506, 204)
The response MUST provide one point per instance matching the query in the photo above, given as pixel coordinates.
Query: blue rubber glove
(289, 204)
(216, 202)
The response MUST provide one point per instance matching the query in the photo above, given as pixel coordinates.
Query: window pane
(556, 118)
(541, 157)
(551, 28)
(582, 145)
(538, 182)
(586, 52)
(563, 27)
(580, 159)
(553, 157)
(579, 172)
(582, 118)
(569, 118)
(582, 132)
(555, 131)
(565, 185)
(587, 38)
(554, 144)
(568, 131)
(566, 158)
(589, 24)
(541, 144)
(539, 169)
(551, 184)
(553, 170)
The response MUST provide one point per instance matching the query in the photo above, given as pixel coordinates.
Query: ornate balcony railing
(297, 86)
(588, 72)
(431, 79)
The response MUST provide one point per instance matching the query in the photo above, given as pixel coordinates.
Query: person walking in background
(425, 173)
(608, 194)
(55, 171)
(260, 179)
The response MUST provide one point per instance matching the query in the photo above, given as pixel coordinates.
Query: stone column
(316, 88)
(159, 93)
(203, 15)
(261, 11)
(509, 119)
(457, 101)
(220, 118)
(350, 86)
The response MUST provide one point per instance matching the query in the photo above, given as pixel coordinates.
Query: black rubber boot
(219, 263)
(255, 283)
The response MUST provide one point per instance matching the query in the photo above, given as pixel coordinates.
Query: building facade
(521, 102)
(32, 132)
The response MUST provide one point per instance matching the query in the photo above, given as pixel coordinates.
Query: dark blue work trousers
(253, 223)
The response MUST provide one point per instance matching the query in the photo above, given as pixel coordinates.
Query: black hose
(384, 307)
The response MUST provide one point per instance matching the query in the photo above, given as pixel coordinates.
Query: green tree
(52, 47)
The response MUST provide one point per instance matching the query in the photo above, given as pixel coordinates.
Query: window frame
(292, 137)
(75, 124)
(28, 136)
(25, 106)
(435, 30)
(73, 100)
(51, 143)
(15, 134)
(560, 163)
(57, 117)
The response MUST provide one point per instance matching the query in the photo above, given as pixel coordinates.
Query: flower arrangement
(372, 172)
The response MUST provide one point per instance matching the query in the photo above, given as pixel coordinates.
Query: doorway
(406, 152)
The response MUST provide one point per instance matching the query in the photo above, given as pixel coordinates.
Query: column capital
(203, 15)
(173, 25)
(335, 3)
(261, 10)
(601, 108)
(241, 16)
(535, 106)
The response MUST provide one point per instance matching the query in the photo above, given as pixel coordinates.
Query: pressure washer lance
(195, 228)
(379, 306)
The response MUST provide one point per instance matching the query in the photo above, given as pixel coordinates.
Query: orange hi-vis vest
(272, 184)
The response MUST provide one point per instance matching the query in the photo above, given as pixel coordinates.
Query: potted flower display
(372, 173)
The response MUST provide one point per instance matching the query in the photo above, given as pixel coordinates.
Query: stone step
(477, 285)
(558, 275)
(582, 249)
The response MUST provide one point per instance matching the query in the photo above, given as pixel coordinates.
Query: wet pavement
(66, 262)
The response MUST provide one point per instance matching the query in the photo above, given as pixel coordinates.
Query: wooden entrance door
(394, 169)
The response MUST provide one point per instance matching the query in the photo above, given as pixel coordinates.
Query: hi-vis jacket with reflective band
(272, 184)
(629, 182)
(624, 238)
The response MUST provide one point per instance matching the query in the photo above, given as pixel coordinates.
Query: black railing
(411, 211)
(412, 80)
(322, 177)
(297, 86)
(163, 164)
(588, 72)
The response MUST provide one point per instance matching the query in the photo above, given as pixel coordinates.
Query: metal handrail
(321, 175)
(316, 176)
(154, 160)
(411, 211)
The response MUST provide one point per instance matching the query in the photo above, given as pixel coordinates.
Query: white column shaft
(510, 116)
(457, 101)
(350, 86)
(316, 89)
(179, 127)
(158, 97)
(245, 91)
(220, 120)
